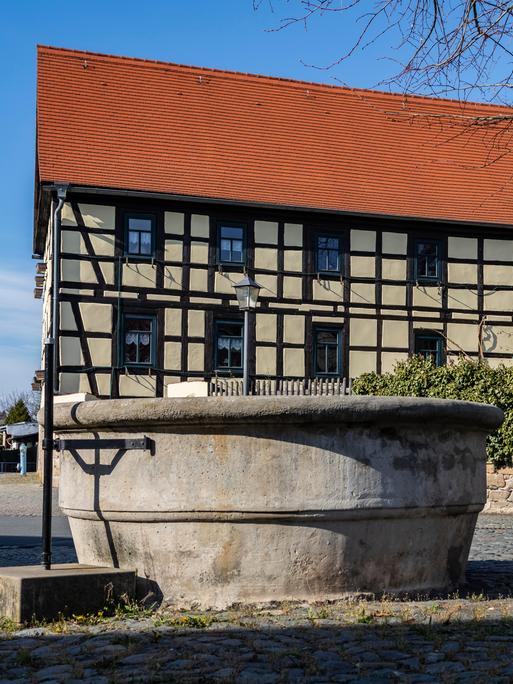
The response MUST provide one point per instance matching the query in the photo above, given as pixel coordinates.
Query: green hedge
(469, 380)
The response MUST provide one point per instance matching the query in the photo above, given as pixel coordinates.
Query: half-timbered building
(378, 225)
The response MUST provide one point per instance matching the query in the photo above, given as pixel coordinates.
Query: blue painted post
(23, 459)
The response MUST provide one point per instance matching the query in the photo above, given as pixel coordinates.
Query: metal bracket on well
(144, 443)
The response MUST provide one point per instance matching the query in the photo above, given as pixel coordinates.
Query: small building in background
(11, 438)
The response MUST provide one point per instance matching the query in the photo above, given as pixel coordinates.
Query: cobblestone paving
(465, 638)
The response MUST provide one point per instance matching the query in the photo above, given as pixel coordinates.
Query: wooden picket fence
(313, 387)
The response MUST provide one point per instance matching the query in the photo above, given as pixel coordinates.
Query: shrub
(464, 379)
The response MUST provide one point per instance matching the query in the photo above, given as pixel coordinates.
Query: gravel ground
(467, 637)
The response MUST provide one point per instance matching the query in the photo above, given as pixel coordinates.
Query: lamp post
(247, 296)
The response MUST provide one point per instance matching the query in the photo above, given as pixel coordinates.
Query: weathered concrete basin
(275, 498)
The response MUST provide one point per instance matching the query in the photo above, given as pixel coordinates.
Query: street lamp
(247, 295)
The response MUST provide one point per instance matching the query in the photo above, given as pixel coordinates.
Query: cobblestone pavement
(465, 638)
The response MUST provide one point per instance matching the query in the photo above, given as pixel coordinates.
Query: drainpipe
(51, 381)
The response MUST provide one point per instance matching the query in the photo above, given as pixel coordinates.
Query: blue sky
(226, 34)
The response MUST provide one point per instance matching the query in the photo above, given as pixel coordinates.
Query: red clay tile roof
(115, 122)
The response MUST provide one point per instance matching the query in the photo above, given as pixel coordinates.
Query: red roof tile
(124, 123)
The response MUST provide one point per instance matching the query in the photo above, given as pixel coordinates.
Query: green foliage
(466, 379)
(18, 413)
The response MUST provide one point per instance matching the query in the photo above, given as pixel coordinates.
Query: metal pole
(46, 557)
(245, 356)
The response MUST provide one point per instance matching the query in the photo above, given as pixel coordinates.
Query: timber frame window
(327, 351)
(231, 243)
(428, 265)
(430, 345)
(228, 344)
(140, 235)
(139, 340)
(328, 254)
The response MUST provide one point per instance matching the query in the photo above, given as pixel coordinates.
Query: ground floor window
(139, 340)
(430, 346)
(228, 343)
(327, 352)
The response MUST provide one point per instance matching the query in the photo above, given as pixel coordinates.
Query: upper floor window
(327, 351)
(139, 340)
(427, 261)
(328, 257)
(229, 340)
(430, 346)
(231, 244)
(139, 235)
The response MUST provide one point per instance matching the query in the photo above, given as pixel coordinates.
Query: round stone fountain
(250, 499)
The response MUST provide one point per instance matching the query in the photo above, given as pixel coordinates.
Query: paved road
(20, 540)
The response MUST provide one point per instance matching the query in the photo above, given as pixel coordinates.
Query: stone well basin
(249, 499)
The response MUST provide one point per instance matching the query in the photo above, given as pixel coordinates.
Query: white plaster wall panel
(294, 362)
(395, 334)
(363, 241)
(200, 226)
(463, 336)
(266, 257)
(465, 316)
(67, 319)
(266, 232)
(198, 279)
(265, 361)
(293, 235)
(393, 295)
(67, 215)
(173, 277)
(428, 325)
(363, 267)
(173, 250)
(103, 382)
(294, 329)
(363, 332)
(427, 295)
(137, 386)
(328, 289)
(498, 250)
(101, 351)
(315, 307)
(170, 379)
(71, 242)
(174, 222)
(172, 355)
(498, 275)
(498, 339)
(70, 270)
(173, 321)
(199, 252)
(139, 275)
(462, 273)
(498, 301)
(103, 245)
(462, 248)
(266, 327)
(108, 272)
(395, 243)
(393, 269)
(224, 282)
(196, 323)
(268, 283)
(70, 351)
(96, 317)
(70, 383)
(98, 216)
(495, 363)
(195, 356)
(361, 362)
(292, 287)
(390, 359)
(363, 293)
(293, 260)
(462, 299)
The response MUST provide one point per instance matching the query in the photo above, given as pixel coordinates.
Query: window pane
(133, 242)
(130, 348)
(236, 353)
(138, 324)
(327, 337)
(135, 223)
(322, 260)
(236, 250)
(320, 366)
(333, 243)
(144, 348)
(322, 242)
(333, 261)
(223, 347)
(331, 359)
(232, 232)
(145, 243)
